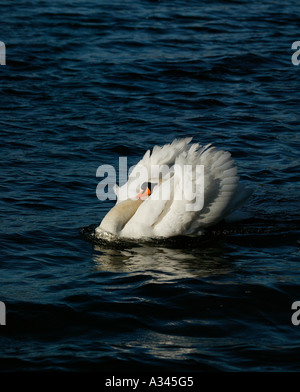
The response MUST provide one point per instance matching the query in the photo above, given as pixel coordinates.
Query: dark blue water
(86, 82)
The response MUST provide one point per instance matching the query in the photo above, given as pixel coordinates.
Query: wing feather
(168, 214)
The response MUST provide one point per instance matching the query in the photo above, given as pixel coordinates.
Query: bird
(177, 189)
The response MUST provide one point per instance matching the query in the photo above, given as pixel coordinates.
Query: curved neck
(119, 215)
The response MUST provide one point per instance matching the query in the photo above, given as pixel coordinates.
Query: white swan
(175, 201)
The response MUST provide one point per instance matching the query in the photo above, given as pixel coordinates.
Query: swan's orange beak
(144, 194)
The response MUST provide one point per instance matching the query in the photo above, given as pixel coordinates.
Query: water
(87, 82)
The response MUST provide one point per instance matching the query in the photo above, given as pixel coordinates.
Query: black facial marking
(149, 185)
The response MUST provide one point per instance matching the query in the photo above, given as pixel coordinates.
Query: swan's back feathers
(221, 192)
(166, 155)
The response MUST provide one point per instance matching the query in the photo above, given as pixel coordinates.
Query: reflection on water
(175, 263)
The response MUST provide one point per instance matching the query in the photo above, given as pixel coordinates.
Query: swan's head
(139, 186)
(123, 211)
(146, 190)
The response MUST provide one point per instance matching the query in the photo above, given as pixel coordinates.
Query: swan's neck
(119, 215)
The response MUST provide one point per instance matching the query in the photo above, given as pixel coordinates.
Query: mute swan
(163, 199)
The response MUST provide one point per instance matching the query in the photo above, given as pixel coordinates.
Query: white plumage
(183, 201)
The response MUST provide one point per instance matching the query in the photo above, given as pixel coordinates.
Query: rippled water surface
(88, 81)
